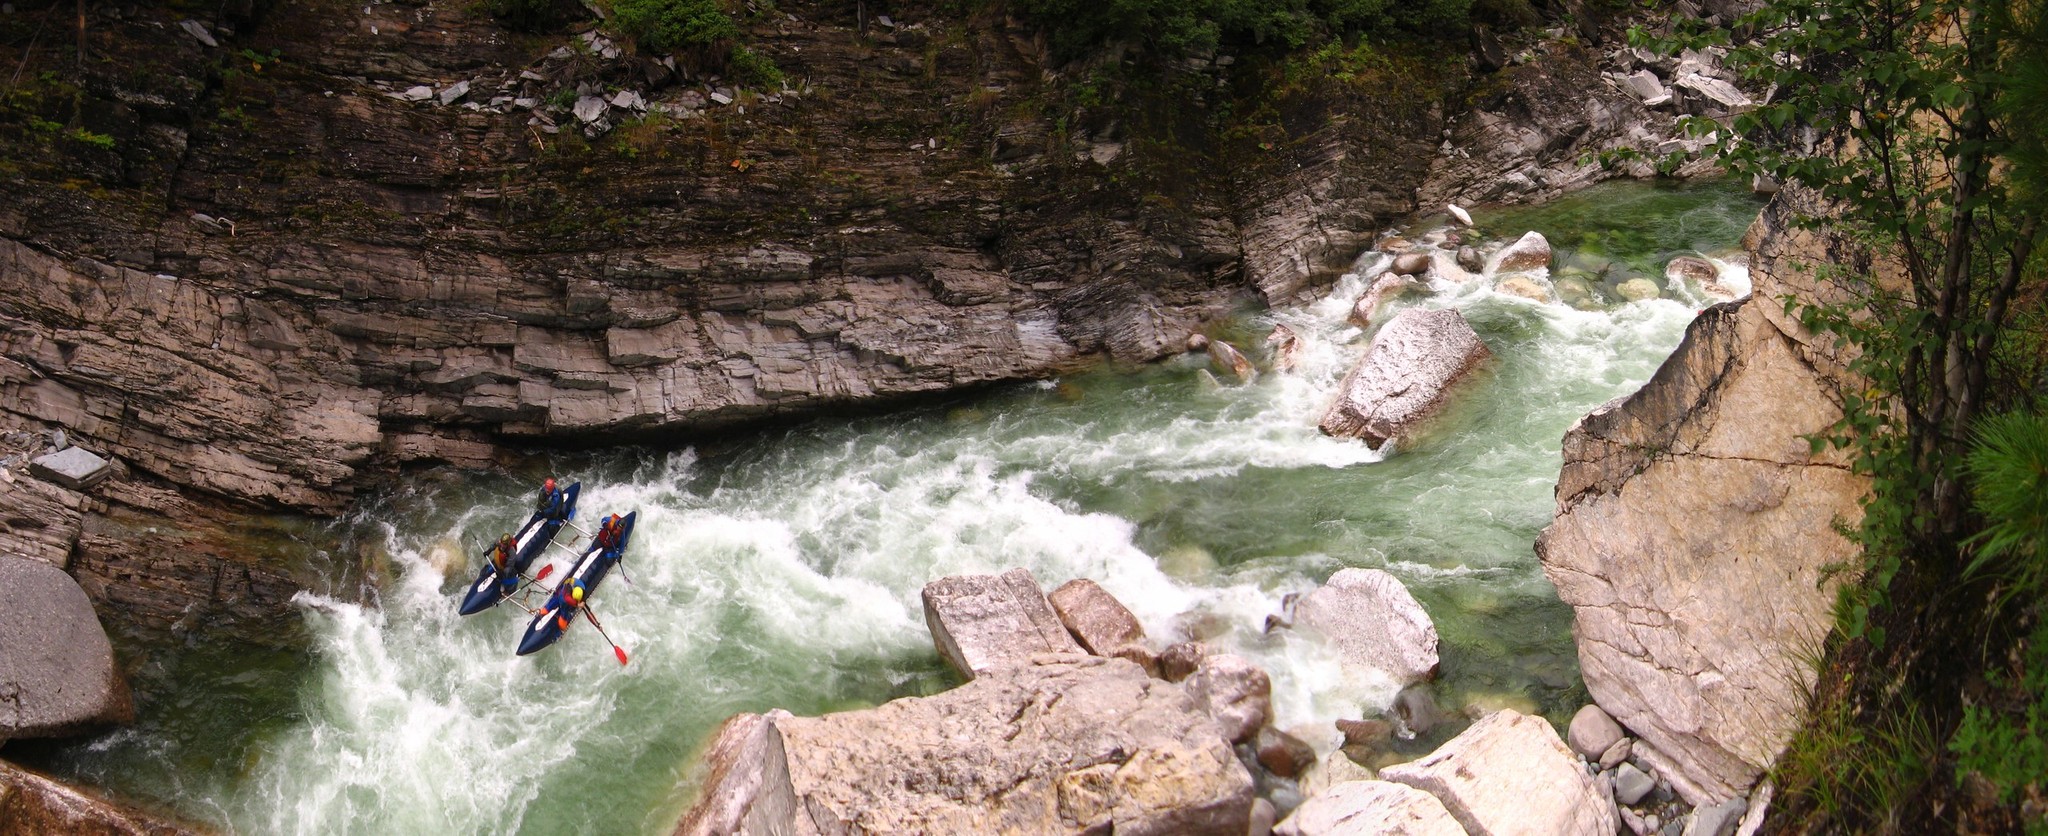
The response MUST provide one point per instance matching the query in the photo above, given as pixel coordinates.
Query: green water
(783, 570)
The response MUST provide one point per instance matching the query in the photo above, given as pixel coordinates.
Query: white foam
(778, 576)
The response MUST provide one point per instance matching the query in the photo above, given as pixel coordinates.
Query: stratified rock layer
(57, 673)
(1695, 533)
(1405, 376)
(1075, 744)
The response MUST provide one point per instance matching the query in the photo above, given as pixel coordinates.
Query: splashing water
(786, 571)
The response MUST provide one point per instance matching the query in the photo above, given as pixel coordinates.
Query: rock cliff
(1696, 538)
(267, 253)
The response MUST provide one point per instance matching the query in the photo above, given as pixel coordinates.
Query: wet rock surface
(33, 804)
(986, 622)
(1405, 376)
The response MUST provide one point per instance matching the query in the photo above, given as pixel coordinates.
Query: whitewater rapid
(785, 571)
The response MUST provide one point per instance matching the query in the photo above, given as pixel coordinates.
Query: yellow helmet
(576, 592)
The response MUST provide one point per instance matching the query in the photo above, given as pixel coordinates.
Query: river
(783, 568)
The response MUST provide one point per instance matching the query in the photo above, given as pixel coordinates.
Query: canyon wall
(1698, 537)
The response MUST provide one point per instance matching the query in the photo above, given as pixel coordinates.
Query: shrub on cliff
(534, 15)
(699, 30)
(1174, 28)
(1920, 125)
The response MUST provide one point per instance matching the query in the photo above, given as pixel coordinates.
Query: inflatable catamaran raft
(504, 571)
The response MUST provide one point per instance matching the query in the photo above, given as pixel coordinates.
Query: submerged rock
(983, 622)
(1085, 745)
(57, 674)
(1286, 348)
(1526, 288)
(1638, 290)
(1509, 773)
(1405, 376)
(1374, 622)
(1229, 360)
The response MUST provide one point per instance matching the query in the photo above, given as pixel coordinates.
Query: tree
(1923, 126)
(1923, 122)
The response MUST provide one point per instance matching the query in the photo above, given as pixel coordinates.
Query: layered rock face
(383, 239)
(347, 274)
(1695, 537)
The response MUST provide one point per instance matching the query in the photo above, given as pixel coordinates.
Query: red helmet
(548, 485)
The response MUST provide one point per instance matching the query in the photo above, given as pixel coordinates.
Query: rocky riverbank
(292, 273)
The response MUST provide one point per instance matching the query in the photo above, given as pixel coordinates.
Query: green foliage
(96, 140)
(1913, 130)
(676, 25)
(701, 30)
(1843, 763)
(530, 15)
(1174, 28)
(2008, 469)
(1903, 118)
(2009, 748)
(752, 67)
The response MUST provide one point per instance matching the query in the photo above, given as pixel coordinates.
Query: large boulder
(983, 622)
(1076, 744)
(33, 804)
(1694, 535)
(1374, 622)
(1230, 361)
(1405, 376)
(1530, 252)
(1365, 311)
(1382, 808)
(1510, 773)
(57, 673)
(1096, 618)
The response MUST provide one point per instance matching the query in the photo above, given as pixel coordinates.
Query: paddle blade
(545, 571)
(621, 653)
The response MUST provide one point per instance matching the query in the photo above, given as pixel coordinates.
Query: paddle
(616, 649)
